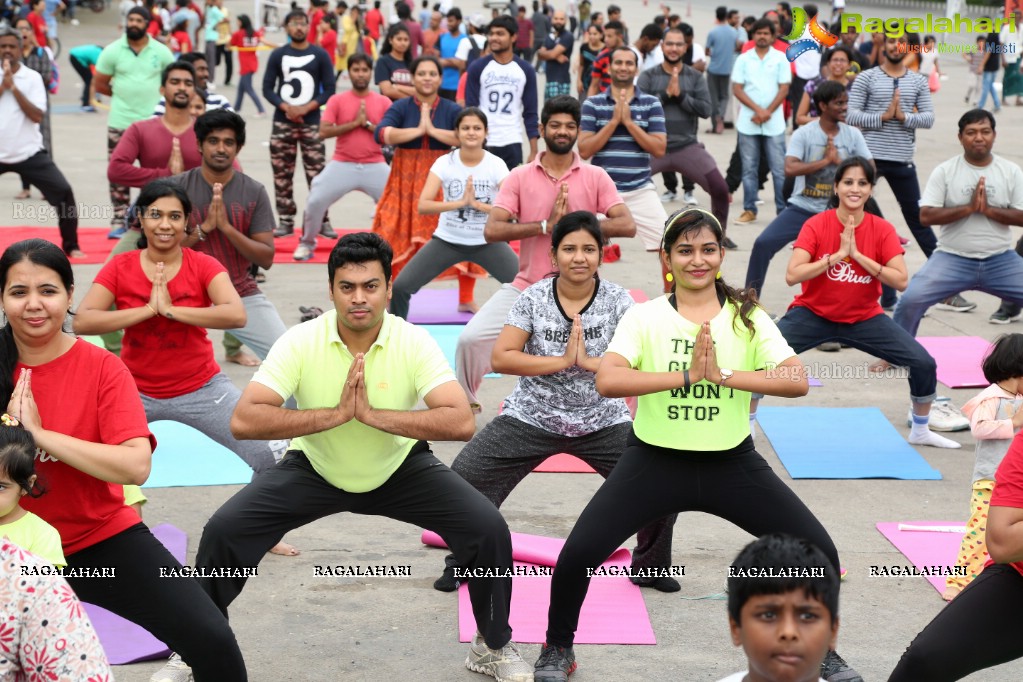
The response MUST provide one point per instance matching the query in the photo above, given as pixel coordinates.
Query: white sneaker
(302, 252)
(944, 417)
(75, 22)
(668, 197)
(689, 199)
(174, 671)
(505, 665)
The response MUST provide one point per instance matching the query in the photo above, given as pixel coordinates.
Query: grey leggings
(507, 449)
(437, 255)
(208, 410)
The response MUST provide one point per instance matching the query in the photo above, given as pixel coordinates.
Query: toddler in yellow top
(17, 479)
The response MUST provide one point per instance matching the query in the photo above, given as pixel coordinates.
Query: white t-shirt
(953, 182)
(463, 47)
(507, 94)
(465, 226)
(738, 677)
(20, 138)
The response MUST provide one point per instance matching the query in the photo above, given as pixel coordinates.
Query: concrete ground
(294, 626)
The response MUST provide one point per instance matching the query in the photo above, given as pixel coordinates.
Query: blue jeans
(905, 186)
(878, 336)
(988, 86)
(945, 274)
(749, 150)
(782, 230)
(245, 88)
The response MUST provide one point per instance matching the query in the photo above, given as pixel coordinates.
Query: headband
(688, 211)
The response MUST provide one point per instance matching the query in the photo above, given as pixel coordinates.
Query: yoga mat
(937, 548)
(804, 438)
(959, 359)
(446, 336)
(564, 464)
(638, 295)
(436, 306)
(539, 550)
(284, 247)
(91, 240)
(614, 611)
(185, 457)
(123, 641)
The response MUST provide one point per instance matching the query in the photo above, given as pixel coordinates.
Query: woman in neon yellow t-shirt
(693, 357)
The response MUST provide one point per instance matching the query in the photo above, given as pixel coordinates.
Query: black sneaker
(661, 584)
(1001, 316)
(834, 669)
(447, 581)
(729, 244)
(555, 664)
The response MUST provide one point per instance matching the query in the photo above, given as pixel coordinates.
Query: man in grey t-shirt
(975, 198)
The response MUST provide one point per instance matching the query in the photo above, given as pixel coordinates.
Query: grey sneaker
(689, 199)
(830, 346)
(302, 252)
(284, 229)
(327, 231)
(174, 671)
(956, 304)
(505, 665)
(944, 417)
(834, 669)
(555, 664)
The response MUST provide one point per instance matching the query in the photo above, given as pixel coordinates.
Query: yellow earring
(718, 275)
(669, 278)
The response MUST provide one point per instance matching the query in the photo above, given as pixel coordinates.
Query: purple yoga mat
(436, 306)
(122, 640)
(959, 359)
(925, 548)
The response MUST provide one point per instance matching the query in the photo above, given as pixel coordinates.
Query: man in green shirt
(129, 69)
(359, 444)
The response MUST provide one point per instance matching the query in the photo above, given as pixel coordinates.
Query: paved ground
(293, 626)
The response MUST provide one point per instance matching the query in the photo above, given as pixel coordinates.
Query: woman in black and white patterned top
(553, 340)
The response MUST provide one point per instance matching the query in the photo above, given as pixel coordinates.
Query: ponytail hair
(687, 222)
(44, 254)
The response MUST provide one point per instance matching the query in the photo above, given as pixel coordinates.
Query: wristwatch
(726, 374)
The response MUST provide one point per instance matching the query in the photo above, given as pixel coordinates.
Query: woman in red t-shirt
(246, 40)
(980, 628)
(166, 296)
(81, 406)
(842, 257)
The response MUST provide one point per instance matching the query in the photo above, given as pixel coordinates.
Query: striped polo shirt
(625, 161)
(869, 96)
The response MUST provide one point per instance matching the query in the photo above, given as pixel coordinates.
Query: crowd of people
(448, 148)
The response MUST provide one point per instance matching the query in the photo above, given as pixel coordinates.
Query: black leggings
(977, 630)
(175, 610)
(652, 482)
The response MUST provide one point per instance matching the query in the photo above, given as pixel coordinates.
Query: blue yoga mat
(446, 336)
(185, 457)
(841, 442)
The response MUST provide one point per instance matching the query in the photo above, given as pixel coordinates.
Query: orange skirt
(397, 217)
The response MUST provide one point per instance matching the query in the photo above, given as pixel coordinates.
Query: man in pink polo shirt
(533, 198)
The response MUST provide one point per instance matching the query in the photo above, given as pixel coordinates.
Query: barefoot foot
(879, 366)
(244, 359)
(284, 549)
(470, 307)
(950, 593)
(76, 253)
(23, 194)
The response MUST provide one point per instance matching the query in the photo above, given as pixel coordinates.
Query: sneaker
(830, 346)
(447, 582)
(174, 671)
(284, 230)
(661, 584)
(668, 197)
(760, 202)
(302, 252)
(328, 232)
(505, 665)
(689, 199)
(956, 304)
(834, 669)
(944, 417)
(116, 233)
(88, 108)
(746, 218)
(75, 22)
(555, 664)
(729, 244)
(1002, 317)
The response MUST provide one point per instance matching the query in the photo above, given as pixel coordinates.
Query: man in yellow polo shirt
(129, 70)
(357, 374)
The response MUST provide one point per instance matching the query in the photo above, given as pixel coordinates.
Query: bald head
(559, 20)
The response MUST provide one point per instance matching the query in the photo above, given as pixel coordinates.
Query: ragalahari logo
(820, 37)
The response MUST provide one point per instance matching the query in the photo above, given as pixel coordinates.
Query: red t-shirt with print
(89, 394)
(1008, 490)
(166, 357)
(846, 292)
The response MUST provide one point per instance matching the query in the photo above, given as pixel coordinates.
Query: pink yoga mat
(122, 640)
(436, 306)
(638, 295)
(925, 548)
(564, 464)
(614, 611)
(959, 359)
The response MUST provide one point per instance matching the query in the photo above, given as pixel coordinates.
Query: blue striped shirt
(625, 161)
